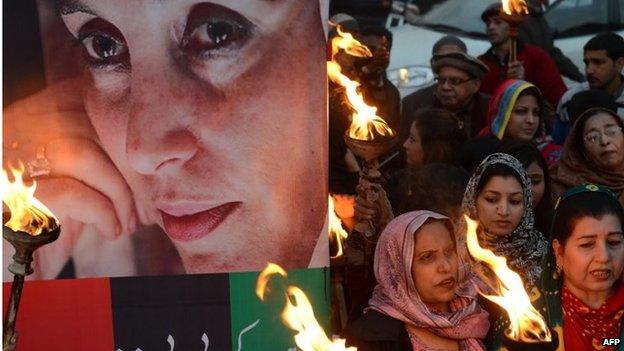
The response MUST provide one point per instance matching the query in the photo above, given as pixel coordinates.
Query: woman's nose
(162, 129)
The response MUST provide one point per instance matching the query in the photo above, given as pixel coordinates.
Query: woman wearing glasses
(593, 153)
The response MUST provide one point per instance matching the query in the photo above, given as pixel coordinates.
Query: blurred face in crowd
(497, 30)
(538, 185)
(524, 120)
(592, 258)
(413, 148)
(434, 265)
(188, 99)
(500, 205)
(455, 88)
(601, 71)
(603, 141)
(379, 47)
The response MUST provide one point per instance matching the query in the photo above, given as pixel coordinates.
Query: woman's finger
(85, 161)
(70, 198)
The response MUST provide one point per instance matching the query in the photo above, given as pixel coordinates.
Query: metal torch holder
(515, 345)
(24, 244)
(369, 151)
(514, 22)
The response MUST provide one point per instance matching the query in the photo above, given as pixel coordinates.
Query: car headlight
(410, 76)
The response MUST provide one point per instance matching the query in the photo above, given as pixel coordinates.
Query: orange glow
(27, 213)
(365, 124)
(526, 324)
(298, 315)
(515, 7)
(263, 278)
(335, 226)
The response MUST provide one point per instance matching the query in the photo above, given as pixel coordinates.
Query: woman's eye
(516, 202)
(103, 48)
(215, 35)
(214, 30)
(586, 245)
(426, 257)
(614, 242)
(491, 200)
(103, 44)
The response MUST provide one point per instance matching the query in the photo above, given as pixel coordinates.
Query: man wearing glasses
(458, 79)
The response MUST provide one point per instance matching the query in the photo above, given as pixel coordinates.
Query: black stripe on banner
(171, 313)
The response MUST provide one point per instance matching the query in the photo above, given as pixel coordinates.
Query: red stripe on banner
(64, 315)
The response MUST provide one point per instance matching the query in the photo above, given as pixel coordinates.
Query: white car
(573, 22)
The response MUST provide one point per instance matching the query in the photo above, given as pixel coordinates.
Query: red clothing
(584, 327)
(539, 69)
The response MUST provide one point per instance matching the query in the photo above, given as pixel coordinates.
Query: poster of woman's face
(201, 123)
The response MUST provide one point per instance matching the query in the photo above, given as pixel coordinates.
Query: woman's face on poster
(214, 112)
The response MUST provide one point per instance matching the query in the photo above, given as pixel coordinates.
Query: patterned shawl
(575, 169)
(396, 294)
(525, 247)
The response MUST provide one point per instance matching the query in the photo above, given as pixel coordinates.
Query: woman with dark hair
(516, 112)
(537, 171)
(593, 153)
(498, 196)
(423, 299)
(434, 137)
(581, 285)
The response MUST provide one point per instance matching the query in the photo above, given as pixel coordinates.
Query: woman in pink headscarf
(423, 300)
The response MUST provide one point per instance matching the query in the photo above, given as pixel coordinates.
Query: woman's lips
(447, 283)
(197, 225)
(601, 274)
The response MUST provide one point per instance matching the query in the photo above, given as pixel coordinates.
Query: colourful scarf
(501, 106)
(525, 246)
(586, 327)
(396, 294)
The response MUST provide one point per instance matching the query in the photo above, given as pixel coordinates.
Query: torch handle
(513, 49)
(11, 314)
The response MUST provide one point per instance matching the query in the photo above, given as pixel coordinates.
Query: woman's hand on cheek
(83, 186)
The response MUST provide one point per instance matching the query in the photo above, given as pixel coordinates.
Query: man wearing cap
(458, 78)
(533, 64)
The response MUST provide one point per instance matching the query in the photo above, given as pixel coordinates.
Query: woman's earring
(558, 272)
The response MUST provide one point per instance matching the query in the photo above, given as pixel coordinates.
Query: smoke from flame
(27, 213)
(298, 315)
(365, 124)
(512, 7)
(526, 324)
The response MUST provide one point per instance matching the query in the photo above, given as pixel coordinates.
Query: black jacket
(375, 331)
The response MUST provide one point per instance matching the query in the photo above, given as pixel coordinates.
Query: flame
(299, 316)
(335, 226)
(27, 213)
(526, 323)
(515, 7)
(365, 123)
(263, 279)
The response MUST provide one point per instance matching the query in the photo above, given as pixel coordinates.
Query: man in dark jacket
(456, 90)
(533, 64)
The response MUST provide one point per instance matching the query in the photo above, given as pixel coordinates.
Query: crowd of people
(539, 166)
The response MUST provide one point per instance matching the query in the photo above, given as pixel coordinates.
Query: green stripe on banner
(258, 326)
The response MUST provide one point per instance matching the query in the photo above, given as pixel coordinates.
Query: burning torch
(527, 329)
(368, 136)
(513, 12)
(28, 226)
